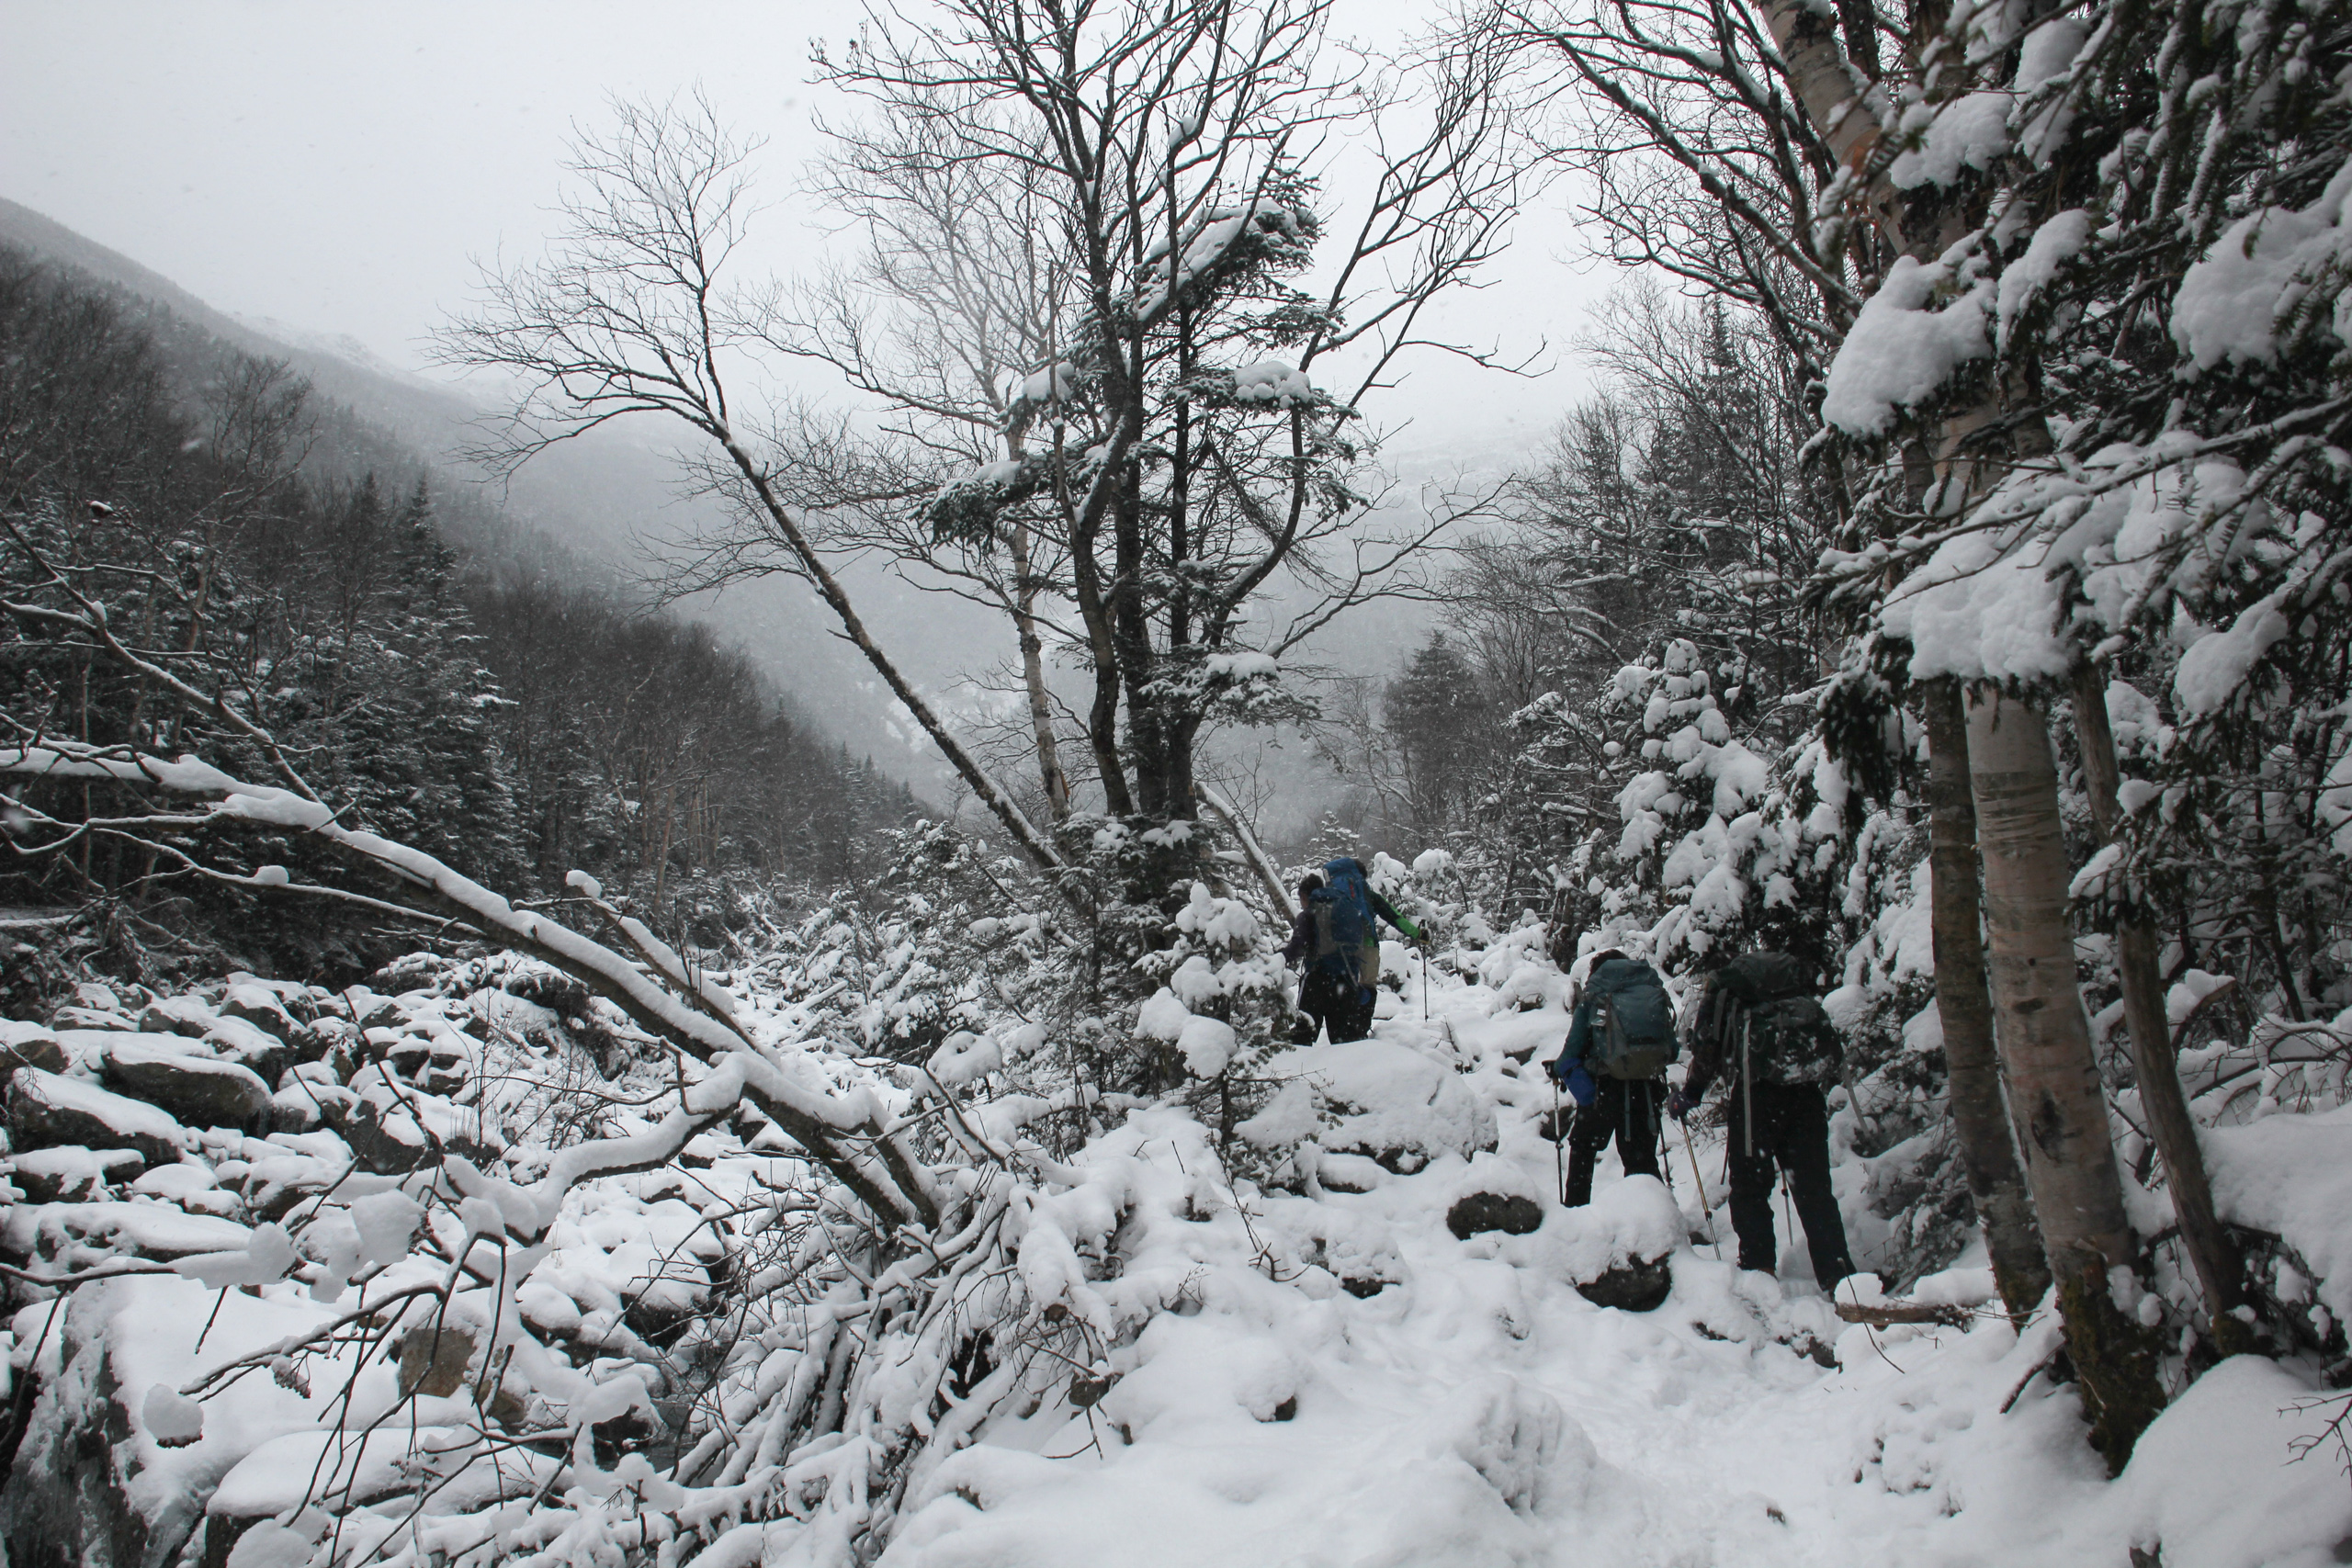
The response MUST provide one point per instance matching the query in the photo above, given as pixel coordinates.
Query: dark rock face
(1639, 1284)
(47, 1112)
(22, 1045)
(199, 1091)
(67, 1502)
(1479, 1211)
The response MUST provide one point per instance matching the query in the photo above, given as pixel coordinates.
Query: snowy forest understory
(487, 1084)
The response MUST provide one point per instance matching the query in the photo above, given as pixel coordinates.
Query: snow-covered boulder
(199, 1090)
(29, 1046)
(191, 1016)
(1615, 1249)
(47, 1176)
(251, 1003)
(1477, 1211)
(46, 1111)
(93, 1481)
(1389, 1102)
(83, 1235)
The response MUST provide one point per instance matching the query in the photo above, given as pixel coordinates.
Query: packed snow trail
(1479, 1410)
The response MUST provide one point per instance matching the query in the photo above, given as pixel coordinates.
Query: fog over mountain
(612, 495)
(325, 184)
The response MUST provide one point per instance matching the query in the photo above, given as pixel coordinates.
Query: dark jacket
(1749, 980)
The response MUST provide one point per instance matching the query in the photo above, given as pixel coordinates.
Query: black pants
(1791, 1134)
(1625, 1110)
(1335, 1004)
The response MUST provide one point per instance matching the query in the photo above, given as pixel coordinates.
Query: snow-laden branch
(785, 1088)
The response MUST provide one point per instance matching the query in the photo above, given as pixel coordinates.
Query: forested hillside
(276, 553)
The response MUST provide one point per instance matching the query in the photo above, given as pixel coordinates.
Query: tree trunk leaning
(1997, 1182)
(2220, 1274)
(2054, 1093)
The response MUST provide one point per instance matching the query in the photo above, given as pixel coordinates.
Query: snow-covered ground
(1251, 1375)
(1481, 1411)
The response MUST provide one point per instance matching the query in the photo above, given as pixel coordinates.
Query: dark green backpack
(1633, 1022)
(1777, 1029)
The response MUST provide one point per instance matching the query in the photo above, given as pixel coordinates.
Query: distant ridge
(592, 499)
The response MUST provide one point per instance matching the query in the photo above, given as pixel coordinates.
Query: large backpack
(1773, 1027)
(1633, 1022)
(1346, 939)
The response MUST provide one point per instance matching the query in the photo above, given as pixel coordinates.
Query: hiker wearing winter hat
(1619, 1046)
(1336, 935)
(1760, 1026)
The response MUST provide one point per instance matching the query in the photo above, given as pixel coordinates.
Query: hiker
(1612, 1067)
(1761, 1027)
(1336, 935)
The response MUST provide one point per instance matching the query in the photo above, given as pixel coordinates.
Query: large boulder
(200, 1090)
(1512, 1213)
(47, 1112)
(93, 1481)
(29, 1046)
(250, 1001)
(47, 1176)
(267, 1055)
(191, 1016)
(1617, 1250)
(79, 1236)
(1638, 1284)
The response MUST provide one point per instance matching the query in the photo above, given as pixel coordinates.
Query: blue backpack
(1346, 939)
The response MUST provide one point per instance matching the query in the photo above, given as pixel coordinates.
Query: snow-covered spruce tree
(1935, 193)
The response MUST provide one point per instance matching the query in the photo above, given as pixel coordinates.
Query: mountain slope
(596, 501)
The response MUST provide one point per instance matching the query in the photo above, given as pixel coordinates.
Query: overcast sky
(337, 167)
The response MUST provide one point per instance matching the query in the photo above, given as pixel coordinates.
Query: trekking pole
(1705, 1208)
(1559, 1160)
(1425, 980)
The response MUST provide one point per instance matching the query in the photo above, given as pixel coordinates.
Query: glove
(1579, 1084)
(1679, 1105)
(1412, 932)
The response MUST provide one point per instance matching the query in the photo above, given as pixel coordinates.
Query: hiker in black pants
(1614, 1080)
(1761, 1028)
(1336, 935)
(1326, 999)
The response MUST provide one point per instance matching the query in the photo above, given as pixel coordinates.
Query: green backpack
(1633, 1022)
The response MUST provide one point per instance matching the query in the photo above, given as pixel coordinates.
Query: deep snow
(1481, 1411)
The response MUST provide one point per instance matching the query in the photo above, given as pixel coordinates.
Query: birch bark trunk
(2055, 1098)
(1980, 1119)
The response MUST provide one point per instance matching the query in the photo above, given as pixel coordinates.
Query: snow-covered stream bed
(1481, 1411)
(1209, 1370)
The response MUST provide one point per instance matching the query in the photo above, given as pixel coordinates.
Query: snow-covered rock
(1389, 1102)
(46, 1110)
(196, 1089)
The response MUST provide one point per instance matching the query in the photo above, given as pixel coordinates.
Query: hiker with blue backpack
(1760, 1026)
(1613, 1067)
(1336, 934)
